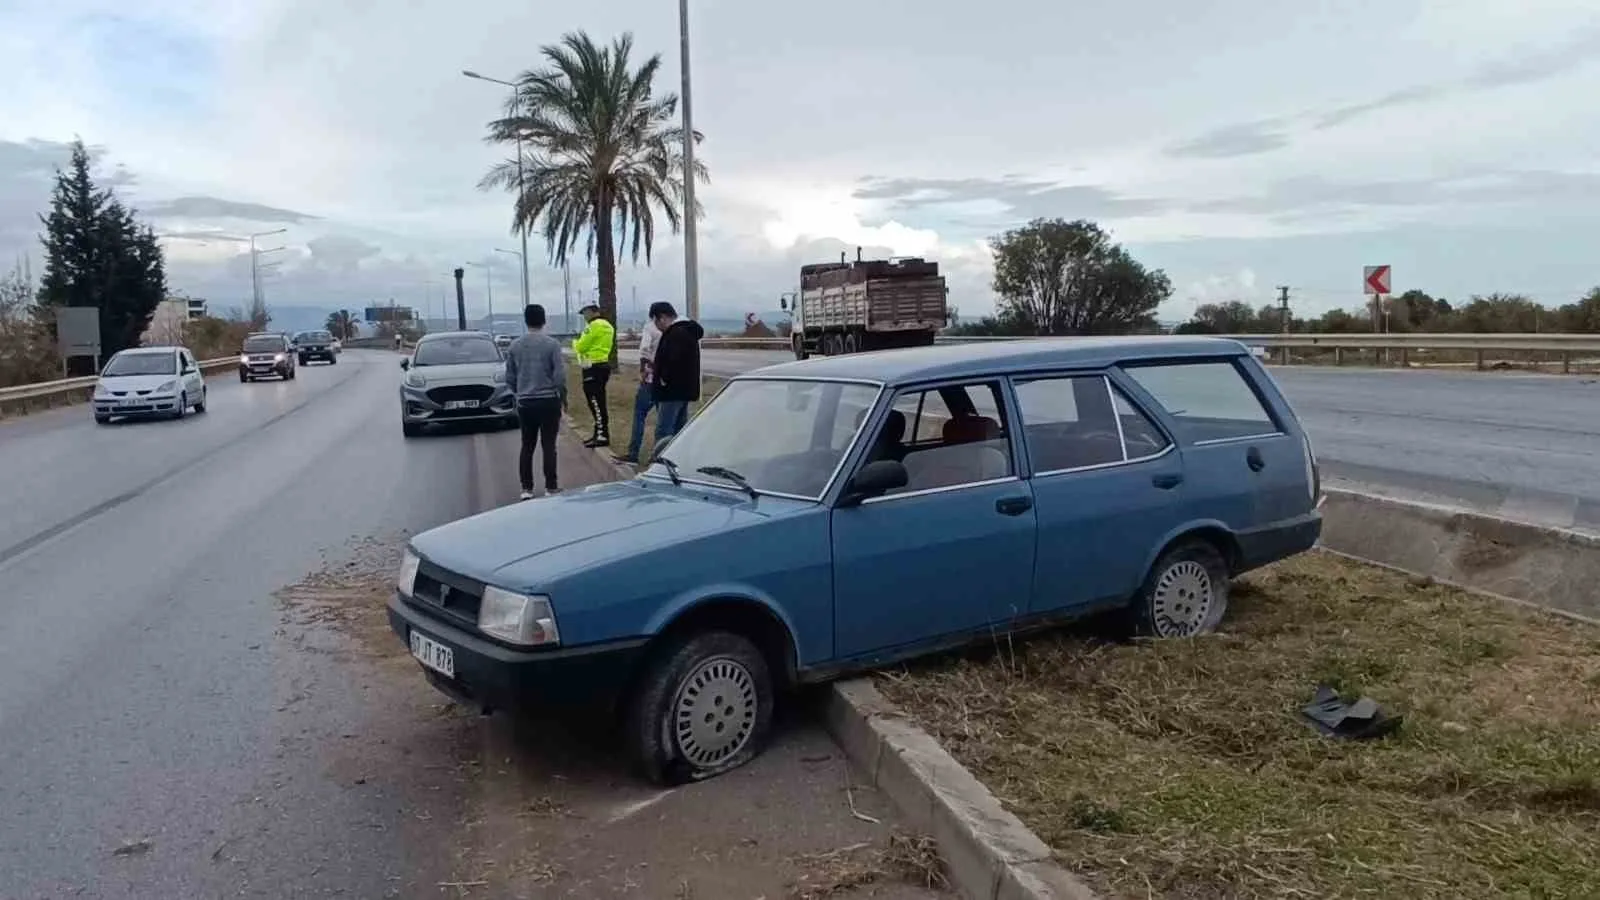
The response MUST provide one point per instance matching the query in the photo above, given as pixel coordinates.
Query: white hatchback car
(149, 381)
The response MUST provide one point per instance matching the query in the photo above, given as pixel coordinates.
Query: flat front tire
(702, 708)
(1185, 593)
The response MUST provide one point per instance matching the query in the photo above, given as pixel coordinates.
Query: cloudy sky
(1239, 144)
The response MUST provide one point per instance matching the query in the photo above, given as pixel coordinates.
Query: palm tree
(342, 324)
(602, 155)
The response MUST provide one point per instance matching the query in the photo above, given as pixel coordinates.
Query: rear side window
(1210, 401)
(1081, 421)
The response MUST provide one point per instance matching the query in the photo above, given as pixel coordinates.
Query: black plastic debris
(1362, 720)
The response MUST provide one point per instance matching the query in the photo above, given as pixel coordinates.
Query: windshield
(784, 437)
(141, 364)
(263, 345)
(315, 337)
(455, 351)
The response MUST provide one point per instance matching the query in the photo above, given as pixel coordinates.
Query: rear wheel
(799, 342)
(201, 406)
(851, 343)
(1185, 594)
(704, 707)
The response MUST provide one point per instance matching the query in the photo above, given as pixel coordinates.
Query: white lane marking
(628, 810)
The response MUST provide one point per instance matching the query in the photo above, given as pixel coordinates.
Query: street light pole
(522, 228)
(691, 249)
(255, 270)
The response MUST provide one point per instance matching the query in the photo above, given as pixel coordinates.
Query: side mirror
(405, 363)
(783, 303)
(874, 480)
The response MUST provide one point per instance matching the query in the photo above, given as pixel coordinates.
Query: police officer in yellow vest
(593, 349)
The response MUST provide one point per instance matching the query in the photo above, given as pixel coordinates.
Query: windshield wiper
(672, 469)
(731, 475)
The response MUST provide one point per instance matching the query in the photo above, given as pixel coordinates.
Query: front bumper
(153, 405)
(495, 677)
(416, 407)
(265, 369)
(310, 353)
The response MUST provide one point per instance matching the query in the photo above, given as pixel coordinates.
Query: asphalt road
(1516, 445)
(198, 696)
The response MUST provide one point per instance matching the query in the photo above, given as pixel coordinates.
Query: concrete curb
(1543, 566)
(989, 853)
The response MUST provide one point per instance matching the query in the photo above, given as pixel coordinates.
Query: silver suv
(455, 376)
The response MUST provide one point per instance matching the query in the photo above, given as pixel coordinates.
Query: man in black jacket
(675, 381)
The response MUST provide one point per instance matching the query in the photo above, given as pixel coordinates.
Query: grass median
(620, 392)
(1181, 769)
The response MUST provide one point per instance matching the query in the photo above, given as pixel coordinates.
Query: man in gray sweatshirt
(537, 373)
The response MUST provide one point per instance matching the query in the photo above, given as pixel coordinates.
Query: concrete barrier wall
(1545, 566)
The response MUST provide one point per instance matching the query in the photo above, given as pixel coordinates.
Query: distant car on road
(310, 345)
(265, 355)
(454, 376)
(149, 381)
(819, 518)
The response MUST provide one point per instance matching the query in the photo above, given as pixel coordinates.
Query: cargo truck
(873, 304)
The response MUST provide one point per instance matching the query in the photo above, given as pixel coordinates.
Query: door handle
(1013, 506)
(1166, 482)
(1252, 458)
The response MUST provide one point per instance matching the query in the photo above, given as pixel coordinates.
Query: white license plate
(128, 401)
(433, 654)
(461, 404)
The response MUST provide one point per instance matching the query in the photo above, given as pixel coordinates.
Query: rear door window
(1209, 400)
(1082, 421)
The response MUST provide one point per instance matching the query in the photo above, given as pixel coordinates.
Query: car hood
(134, 382)
(461, 373)
(527, 545)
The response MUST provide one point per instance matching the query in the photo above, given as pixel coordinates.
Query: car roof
(134, 351)
(437, 335)
(999, 357)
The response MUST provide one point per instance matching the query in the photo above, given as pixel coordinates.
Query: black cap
(662, 308)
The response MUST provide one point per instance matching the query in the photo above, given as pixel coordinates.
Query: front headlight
(407, 582)
(517, 618)
(100, 389)
(244, 358)
(167, 388)
(499, 378)
(277, 357)
(416, 380)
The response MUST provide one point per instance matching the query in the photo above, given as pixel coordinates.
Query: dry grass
(1181, 769)
(909, 859)
(619, 396)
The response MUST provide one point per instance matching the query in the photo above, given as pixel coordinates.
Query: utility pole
(461, 299)
(566, 296)
(691, 244)
(1283, 317)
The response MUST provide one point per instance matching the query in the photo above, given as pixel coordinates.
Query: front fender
(687, 601)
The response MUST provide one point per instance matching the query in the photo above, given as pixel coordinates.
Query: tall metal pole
(691, 248)
(516, 107)
(522, 226)
(566, 296)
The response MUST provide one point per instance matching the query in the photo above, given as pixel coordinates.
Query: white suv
(149, 381)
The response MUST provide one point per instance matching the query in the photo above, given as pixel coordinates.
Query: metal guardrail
(49, 390)
(1401, 344)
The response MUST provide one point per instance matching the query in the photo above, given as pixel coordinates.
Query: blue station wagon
(823, 517)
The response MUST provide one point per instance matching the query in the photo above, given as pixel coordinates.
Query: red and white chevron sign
(1375, 279)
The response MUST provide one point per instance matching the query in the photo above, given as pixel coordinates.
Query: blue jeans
(641, 411)
(670, 416)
